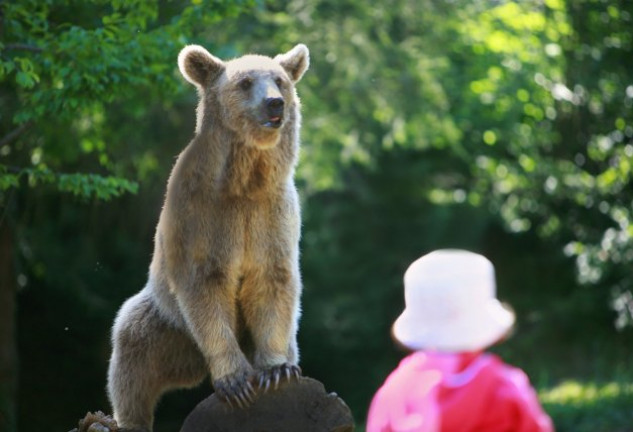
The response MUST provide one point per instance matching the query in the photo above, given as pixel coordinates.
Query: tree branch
(22, 47)
(15, 133)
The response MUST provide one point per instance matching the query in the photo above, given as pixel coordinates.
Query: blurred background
(498, 126)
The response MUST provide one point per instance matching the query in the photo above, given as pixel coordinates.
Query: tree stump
(297, 405)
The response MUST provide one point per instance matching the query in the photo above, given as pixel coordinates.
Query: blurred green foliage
(500, 126)
(590, 407)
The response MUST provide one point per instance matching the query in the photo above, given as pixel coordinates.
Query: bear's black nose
(274, 106)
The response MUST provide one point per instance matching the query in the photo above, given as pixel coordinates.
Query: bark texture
(297, 405)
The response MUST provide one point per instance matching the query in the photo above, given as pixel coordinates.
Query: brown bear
(223, 291)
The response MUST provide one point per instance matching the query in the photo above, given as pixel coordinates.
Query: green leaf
(24, 79)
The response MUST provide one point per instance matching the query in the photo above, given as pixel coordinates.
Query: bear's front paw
(235, 388)
(276, 373)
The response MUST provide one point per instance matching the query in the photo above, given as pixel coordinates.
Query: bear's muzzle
(274, 112)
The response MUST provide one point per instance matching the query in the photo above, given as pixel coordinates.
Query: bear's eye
(246, 84)
(279, 81)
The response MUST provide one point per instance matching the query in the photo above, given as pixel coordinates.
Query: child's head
(451, 304)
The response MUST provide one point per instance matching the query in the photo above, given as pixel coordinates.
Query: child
(449, 383)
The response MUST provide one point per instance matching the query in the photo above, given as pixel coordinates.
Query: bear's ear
(295, 61)
(198, 66)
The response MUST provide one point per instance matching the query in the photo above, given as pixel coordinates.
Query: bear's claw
(276, 373)
(235, 389)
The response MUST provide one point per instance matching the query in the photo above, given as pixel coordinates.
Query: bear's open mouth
(273, 122)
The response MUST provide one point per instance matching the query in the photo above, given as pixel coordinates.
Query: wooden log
(297, 405)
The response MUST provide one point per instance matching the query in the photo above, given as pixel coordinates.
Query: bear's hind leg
(149, 357)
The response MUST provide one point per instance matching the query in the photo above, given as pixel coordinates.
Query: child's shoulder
(508, 374)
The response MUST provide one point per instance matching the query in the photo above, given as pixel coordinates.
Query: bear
(224, 286)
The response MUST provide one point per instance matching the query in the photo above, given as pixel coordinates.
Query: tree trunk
(298, 405)
(8, 351)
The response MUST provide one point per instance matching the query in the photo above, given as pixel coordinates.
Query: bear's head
(254, 95)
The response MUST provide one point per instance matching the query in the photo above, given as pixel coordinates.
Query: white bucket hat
(451, 304)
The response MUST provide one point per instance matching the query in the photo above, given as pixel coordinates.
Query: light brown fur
(224, 284)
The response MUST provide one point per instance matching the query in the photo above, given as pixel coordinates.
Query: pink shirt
(432, 392)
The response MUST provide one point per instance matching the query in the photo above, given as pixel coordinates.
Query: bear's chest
(249, 175)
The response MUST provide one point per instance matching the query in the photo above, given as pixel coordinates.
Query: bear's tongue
(273, 122)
